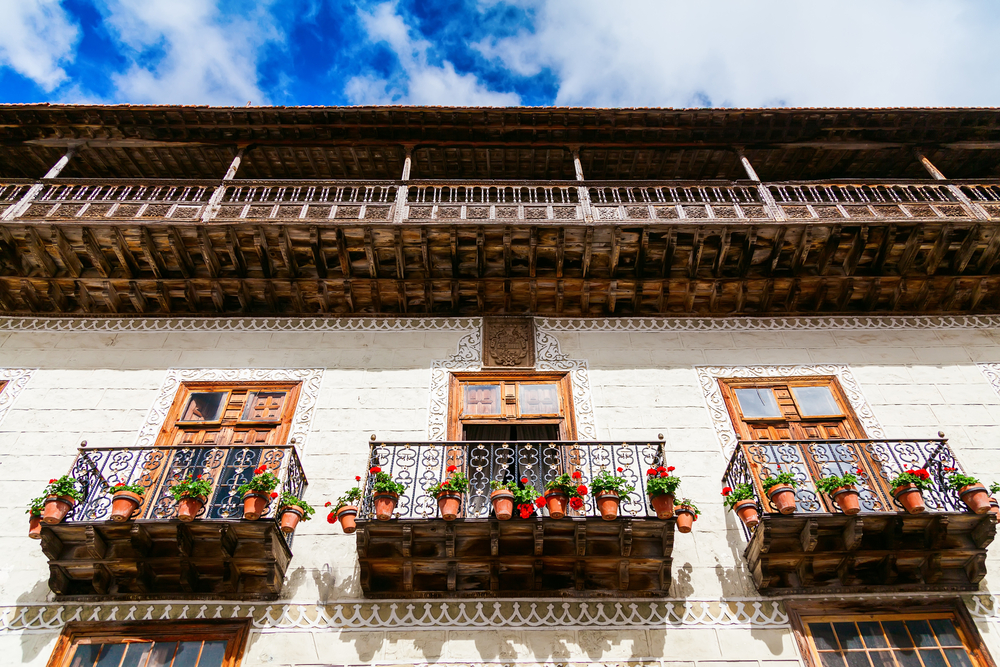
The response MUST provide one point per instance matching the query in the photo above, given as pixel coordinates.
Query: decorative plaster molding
(991, 372)
(766, 323)
(469, 357)
(16, 379)
(142, 325)
(708, 377)
(304, 408)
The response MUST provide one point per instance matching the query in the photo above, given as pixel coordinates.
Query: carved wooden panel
(509, 342)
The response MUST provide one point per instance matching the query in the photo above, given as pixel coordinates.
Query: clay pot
(385, 505)
(123, 504)
(503, 504)
(976, 497)
(910, 497)
(847, 498)
(685, 519)
(188, 507)
(782, 497)
(290, 517)
(994, 506)
(35, 527)
(450, 504)
(56, 508)
(663, 505)
(746, 510)
(607, 504)
(348, 513)
(254, 504)
(556, 501)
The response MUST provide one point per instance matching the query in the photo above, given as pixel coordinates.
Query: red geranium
(260, 469)
(576, 503)
(540, 501)
(671, 469)
(274, 494)
(452, 468)
(660, 469)
(357, 478)
(861, 471)
(524, 480)
(328, 503)
(921, 473)
(727, 490)
(621, 469)
(582, 490)
(374, 470)
(651, 471)
(577, 474)
(53, 481)
(331, 517)
(525, 511)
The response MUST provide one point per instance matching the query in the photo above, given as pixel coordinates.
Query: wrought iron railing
(420, 465)
(157, 469)
(878, 460)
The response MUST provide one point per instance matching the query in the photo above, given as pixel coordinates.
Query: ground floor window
(167, 644)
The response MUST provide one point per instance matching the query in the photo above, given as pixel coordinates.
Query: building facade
(520, 294)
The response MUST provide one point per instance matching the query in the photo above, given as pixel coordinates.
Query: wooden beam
(180, 252)
(37, 248)
(66, 253)
(148, 245)
(123, 253)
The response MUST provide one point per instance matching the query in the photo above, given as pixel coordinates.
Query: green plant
(687, 504)
(919, 477)
(291, 500)
(191, 487)
(957, 480)
(35, 506)
(568, 484)
(659, 481)
(994, 488)
(64, 486)
(456, 482)
(263, 481)
(830, 484)
(137, 489)
(605, 481)
(526, 499)
(783, 477)
(384, 483)
(731, 495)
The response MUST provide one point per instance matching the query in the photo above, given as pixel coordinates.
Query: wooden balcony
(155, 556)
(882, 548)
(420, 555)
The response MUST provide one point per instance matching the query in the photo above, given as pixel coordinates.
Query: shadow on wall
(681, 586)
(34, 644)
(735, 581)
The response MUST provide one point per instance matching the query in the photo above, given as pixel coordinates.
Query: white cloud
(206, 58)
(424, 83)
(738, 53)
(37, 37)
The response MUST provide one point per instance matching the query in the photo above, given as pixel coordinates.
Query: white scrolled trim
(290, 324)
(548, 357)
(16, 379)
(992, 374)
(874, 322)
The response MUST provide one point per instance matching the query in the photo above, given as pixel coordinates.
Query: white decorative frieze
(15, 379)
(708, 378)
(766, 323)
(992, 374)
(148, 325)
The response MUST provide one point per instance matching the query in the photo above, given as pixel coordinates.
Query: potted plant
(661, 487)
(291, 510)
(60, 497)
(907, 488)
(386, 493)
(258, 492)
(994, 506)
(780, 489)
(686, 513)
(502, 497)
(741, 500)
(449, 493)
(125, 498)
(345, 509)
(564, 489)
(842, 490)
(191, 494)
(971, 491)
(34, 512)
(608, 491)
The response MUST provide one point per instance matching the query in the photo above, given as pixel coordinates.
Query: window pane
(162, 654)
(203, 406)
(898, 636)
(822, 634)
(856, 659)
(264, 406)
(848, 634)
(882, 658)
(872, 634)
(111, 655)
(932, 657)
(945, 631)
(482, 399)
(907, 657)
(187, 654)
(539, 399)
(958, 657)
(815, 401)
(831, 659)
(757, 403)
(135, 655)
(212, 654)
(86, 655)
(921, 633)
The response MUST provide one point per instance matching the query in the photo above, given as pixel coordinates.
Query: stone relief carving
(708, 379)
(310, 378)
(509, 342)
(16, 379)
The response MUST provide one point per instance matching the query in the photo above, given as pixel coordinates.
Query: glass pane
(162, 654)
(136, 655)
(848, 634)
(872, 634)
(882, 658)
(212, 654)
(815, 401)
(921, 633)
(822, 634)
(757, 403)
(86, 655)
(958, 657)
(907, 657)
(111, 655)
(898, 636)
(482, 399)
(264, 406)
(945, 631)
(932, 657)
(856, 659)
(831, 659)
(187, 654)
(203, 406)
(539, 399)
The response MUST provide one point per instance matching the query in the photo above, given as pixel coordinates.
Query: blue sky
(491, 52)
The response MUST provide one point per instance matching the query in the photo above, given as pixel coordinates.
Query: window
(511, 406)
(170, 644)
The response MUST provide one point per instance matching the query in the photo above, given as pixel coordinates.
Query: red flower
(452, 468)
(671, 469)
(53, 481)
(274, 494)
(727, 490)
(374, 470)
(524, 480)
(660, 469)
(779, 466)
(119, 484)
(328, 503)
(651, 472)
(582, 490)
(576, 503)
(331, 517)
(525, 511)
(197, 476)
(621, 469)
(950, 469)
(540, 501)
(861, 471)
(577, 474)
(664, 473)
(260, 470)
(357, 478)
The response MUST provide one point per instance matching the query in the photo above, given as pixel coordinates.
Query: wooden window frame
(235, 633)
(566, 420)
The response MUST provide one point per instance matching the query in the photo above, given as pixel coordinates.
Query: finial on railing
(660, 436)
(372, 438)
(292, 441)
(940, 434)
(83, 443)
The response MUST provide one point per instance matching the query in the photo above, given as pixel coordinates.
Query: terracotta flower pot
(56, 508)
(188, 507)
(910, 497)
(607, 504)
(746, 510)
(450, 504)
(503, 504)
(782, 497)
(663, 505)
(348, 514)
(123, 504)
(290, 517)
(35, 527)
(254, 504)
(994, 506)
(976, 497)
(685, 519)
(848, 499)
(385, 505)
(556, 501)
